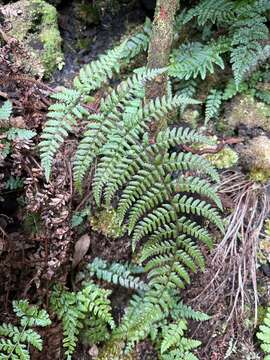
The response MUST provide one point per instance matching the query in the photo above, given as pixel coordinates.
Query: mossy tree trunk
(159, 51)
(160, 44)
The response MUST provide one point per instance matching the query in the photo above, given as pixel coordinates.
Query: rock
(245, 110)
(34, 25)
(255, 157)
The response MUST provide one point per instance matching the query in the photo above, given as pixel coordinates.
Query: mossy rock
(34, 25)
(104, 222)
(245, 110)
(255, 157)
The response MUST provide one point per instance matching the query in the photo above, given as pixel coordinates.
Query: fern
(70, 105)
(248, 31)
(15, 341)
(6, 110)
(214, 11)
(194, 59)
(264, 335)
(116, 273)
(213, 103)
(174, 345)
(74, 309)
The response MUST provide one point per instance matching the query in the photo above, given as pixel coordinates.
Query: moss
(248, 111)
(105, 222)
(87, 13)
(37, 29)
(114, 350)
(191, 117)
(256, 159)
(224, 159)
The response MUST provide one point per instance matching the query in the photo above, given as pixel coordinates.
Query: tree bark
(160, 45)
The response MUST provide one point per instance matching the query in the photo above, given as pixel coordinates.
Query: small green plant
(15, 340)
(87, 311)
(10, 133)
(264, 335)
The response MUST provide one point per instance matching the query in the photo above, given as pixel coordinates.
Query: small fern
(194, 59)
(79, 310)
(116, 273)
(15, 341)
(5, 110)
(247, 33)
(212, 105)
(174, 345)
(264, 335)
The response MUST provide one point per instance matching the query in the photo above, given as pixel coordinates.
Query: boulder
(34, 24)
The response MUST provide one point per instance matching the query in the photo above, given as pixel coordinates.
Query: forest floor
(37, 237)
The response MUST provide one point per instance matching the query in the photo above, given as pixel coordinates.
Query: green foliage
(5, 110)
(174, 345)
(248, 31)
(70, 106)
(124, 275)
(87, 309)
(194, 59)
(264, 335)
(15, 341)
(213, 103)
(14, 183)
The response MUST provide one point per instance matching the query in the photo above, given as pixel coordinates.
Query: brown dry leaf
(81, 248)
(93, 352)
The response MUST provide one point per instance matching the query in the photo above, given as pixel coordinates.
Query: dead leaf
(81, 248)
(93, 352)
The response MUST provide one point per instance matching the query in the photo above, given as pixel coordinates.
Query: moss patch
(224, 159)
(104, 222)
(34, 24)
(256, 159)
(248, 111)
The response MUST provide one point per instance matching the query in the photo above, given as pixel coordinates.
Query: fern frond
(194, 59)
(15, 341)
(214, 11)
(213, 103)
(6, 110)
(247, 34)
(138, 42)
(73, 308)
(264, 333)
(94, 74)
(30, 315)
(116, 273)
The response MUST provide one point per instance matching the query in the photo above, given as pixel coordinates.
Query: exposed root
(235, 257)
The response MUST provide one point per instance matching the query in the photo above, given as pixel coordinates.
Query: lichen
(104, 222)
(248, 111)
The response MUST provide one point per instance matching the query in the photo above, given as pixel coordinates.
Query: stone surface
(34, 24)
(245, 110)
(255, 157)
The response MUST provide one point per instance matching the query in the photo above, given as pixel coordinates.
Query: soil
(31, 260)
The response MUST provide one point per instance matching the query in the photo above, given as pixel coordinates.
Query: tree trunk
(160, 45)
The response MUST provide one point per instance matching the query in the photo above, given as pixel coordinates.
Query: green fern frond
(15, 341)
(264, 334)
(138, 42)
(115, 273)
(19, 134)
(194, 59)
(6, 110)
(247, 34)
(214, 11)
(30, 315)
(213, 103)
(73, 309)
